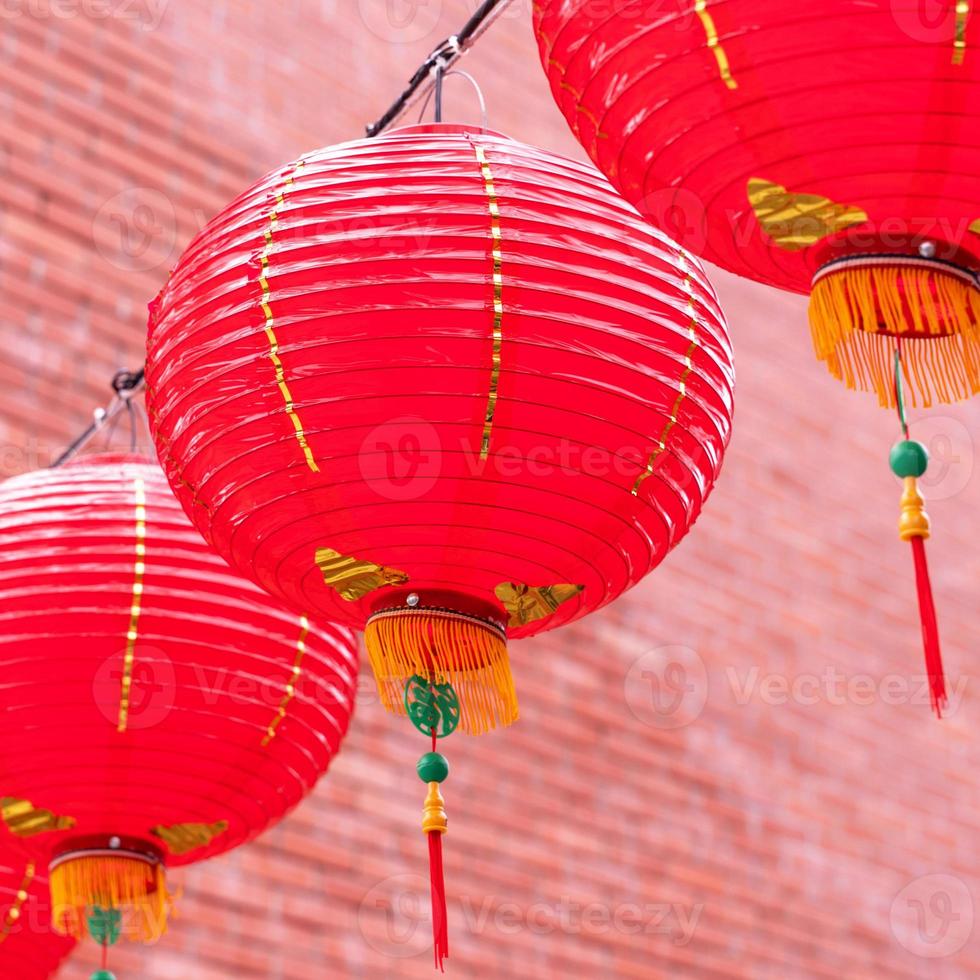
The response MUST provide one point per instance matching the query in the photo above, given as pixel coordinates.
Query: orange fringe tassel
(444, 647)
(137, 888)
(857, 312)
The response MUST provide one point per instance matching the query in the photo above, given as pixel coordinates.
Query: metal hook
(441, 75)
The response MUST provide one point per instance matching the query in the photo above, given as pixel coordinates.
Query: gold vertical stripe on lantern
(13, 913)
(132, 634)
(692, 332)
(711, 33)
(497, 257)
(270, 332)
(959, 40)
(290, 691)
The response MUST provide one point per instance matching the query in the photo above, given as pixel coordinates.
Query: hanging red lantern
(444, 387)
(829, 150)
(156, 708)
(447, 365)
(30, 949)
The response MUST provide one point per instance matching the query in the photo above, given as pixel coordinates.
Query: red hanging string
(437, 890)
(440, 922)
(930, 629)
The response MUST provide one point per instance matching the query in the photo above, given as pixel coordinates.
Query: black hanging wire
(440, 72)
(429, 76)
(125, 384)
(445, 55)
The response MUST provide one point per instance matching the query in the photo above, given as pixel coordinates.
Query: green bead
(103, 975)
(432, 768)
(908, 458)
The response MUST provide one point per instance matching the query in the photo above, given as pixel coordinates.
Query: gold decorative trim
(23, 819)
(13, 913)
(974, 226)
(526, 603)
(797, 221)
(270, 332)
(353, 578)
(959, 39)
(290, 691)
(692, 332)
(493, 205)
(132, 634)
(711, 34)
(182, 838)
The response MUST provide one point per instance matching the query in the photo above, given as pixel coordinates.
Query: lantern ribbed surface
(153, 701)
(776, 140)
(29, 948)
(439, 364)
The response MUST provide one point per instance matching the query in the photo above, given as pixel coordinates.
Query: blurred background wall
(733, 772)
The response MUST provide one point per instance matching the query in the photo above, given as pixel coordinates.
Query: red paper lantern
(442, 385)
(829, 148)
(156, 708)
(445, 387)
(30, 949)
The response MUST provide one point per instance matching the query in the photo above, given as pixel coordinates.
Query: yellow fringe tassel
(445, 647)
(137, 888)
(857, 312)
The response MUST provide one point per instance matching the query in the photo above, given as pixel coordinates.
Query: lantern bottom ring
(132, 848)
(889, 260)
(441, 612)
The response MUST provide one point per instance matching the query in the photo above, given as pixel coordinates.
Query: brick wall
(794, 812)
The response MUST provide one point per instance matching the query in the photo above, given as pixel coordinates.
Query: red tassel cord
(930, 629)
(440, 919)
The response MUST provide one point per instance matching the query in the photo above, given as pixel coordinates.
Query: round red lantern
(443, 386)
(30, 949)
(830, 150)
(157, 709)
